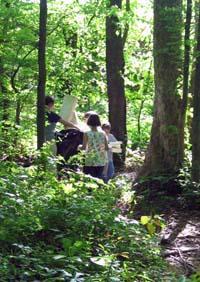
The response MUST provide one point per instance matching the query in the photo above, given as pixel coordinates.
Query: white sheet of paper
(115, 144)
(117, 150)
(67, 111)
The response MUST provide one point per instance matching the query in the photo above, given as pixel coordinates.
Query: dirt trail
(180, 239)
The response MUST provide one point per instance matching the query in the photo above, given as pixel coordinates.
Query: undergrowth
(70, 230)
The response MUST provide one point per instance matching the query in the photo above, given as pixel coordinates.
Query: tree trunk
(162, 154)
(5, 102)
(3, 77)
(42, 75)
(115, 80)
(186, 66)
(196, 115)
(18, 111)
(192, 75)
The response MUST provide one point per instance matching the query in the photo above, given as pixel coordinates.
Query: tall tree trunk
(5, 102)
(3, 77)
(115, 80)
(186, 66)
(162, 154)
(17, 93)
(42, 75)
(193, 65)
(196, 115)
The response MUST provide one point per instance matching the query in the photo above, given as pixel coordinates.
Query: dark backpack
(68, 142)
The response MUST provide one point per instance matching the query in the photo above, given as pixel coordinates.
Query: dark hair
(89, 113)
(49, 100)
(106, 125)
(93, 120)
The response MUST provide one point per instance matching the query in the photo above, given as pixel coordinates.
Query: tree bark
(186, 66)
(193, 65)
(126, 29)
(196, 115)
(42, 75)
(115, 80)
(5, 103)
(3, 77)
(162, 154)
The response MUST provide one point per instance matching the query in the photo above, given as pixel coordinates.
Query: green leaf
(102, 261)
(151, 228)
(58, 257)
(145, 219)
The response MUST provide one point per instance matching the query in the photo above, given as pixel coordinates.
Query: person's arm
(53, 117)
(106, 144)
(112, 138)
(85, 141)
(68, 124)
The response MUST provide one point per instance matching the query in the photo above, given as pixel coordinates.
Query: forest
(100, 140)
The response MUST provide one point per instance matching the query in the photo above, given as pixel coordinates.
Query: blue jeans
(110, 172)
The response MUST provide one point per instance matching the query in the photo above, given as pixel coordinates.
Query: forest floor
(180, 239)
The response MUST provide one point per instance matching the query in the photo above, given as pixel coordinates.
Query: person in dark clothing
(52, 118)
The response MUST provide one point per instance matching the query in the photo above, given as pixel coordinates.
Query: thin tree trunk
(42, 75)
(115, 80)
(186, 66)
(196, 115)
(5, 100)
(5, 103)
(139, 118)
(18, 112)
(162, 153)
(16, 90)
(126, 29)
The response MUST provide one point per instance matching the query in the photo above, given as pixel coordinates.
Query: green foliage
(195, 277)
(71, 229)
(15, 140)
(191, 190)
(153, 224)
(75, 62)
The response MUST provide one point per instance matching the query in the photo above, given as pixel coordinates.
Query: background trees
(86, 56)
(132, 66)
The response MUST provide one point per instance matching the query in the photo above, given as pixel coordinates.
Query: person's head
(49, 102)
(106, 127)
(93, 120)
(87, 114)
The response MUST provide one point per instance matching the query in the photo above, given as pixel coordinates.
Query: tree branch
(126, 30)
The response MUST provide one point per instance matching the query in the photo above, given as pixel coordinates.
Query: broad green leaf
(145, 219)
(102, 261)
(151, 228)
(58, 257)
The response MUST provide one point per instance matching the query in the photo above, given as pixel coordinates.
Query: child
(109, 169)
(87, 114)
(52, 118)
(95, 143)
(85, 127)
